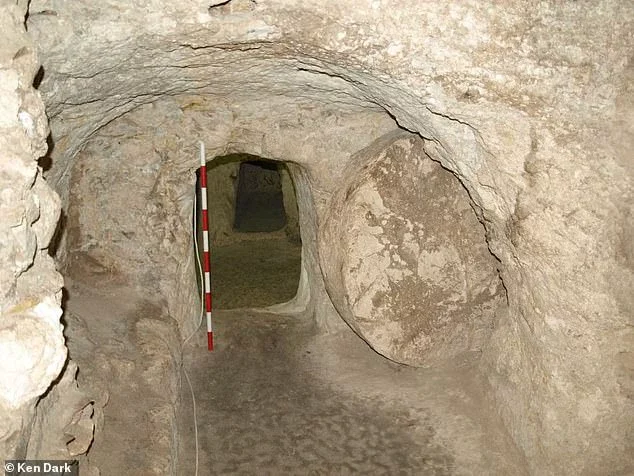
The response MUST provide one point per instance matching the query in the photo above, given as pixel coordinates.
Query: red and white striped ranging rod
(206, 260)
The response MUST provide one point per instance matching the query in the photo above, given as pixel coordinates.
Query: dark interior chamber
(259, 198)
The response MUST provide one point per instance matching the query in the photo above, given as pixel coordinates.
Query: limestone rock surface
(412, 273)
(32, 346)
(528, 103)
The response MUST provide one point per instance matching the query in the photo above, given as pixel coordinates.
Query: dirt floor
(255, 273)
(275, 397)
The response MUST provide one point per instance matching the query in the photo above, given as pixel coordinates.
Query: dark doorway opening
(259, 198)
(254, 232)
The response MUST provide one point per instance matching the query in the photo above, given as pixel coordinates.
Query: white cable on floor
(191, 389)
(202, 309)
